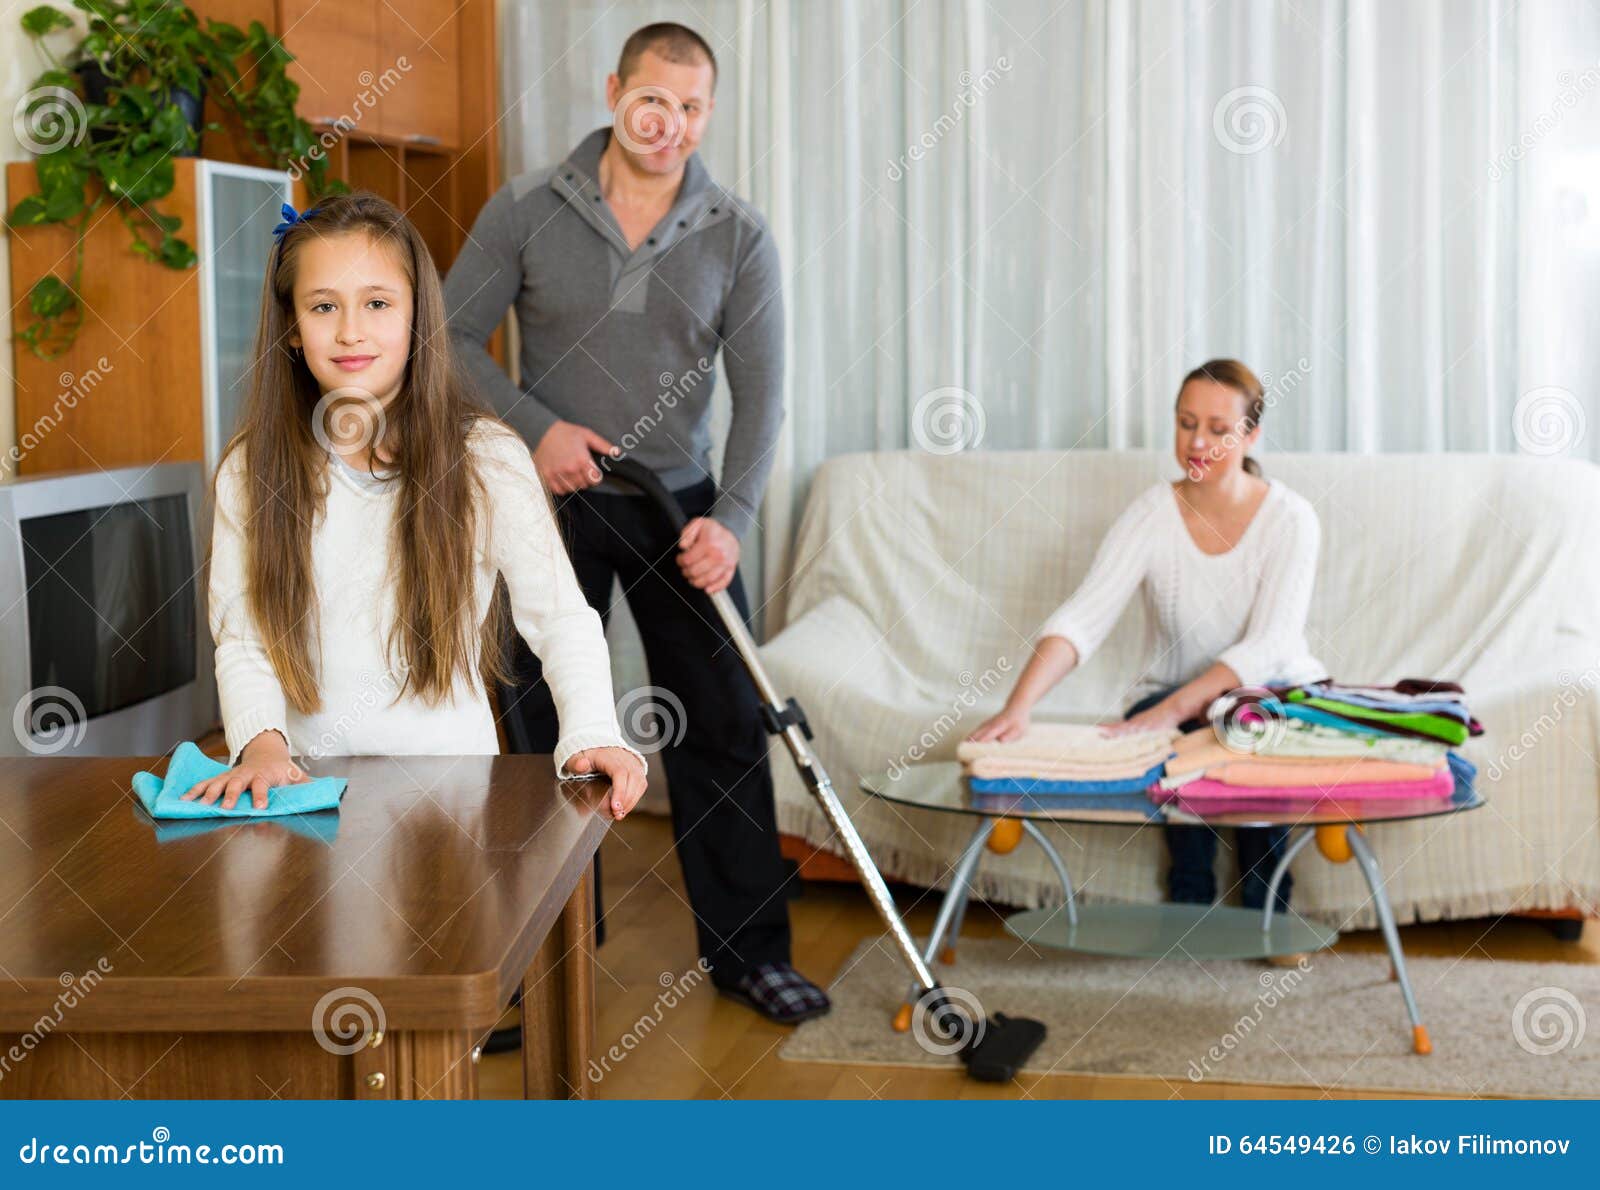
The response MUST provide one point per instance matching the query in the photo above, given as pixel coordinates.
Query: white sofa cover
(919, 579)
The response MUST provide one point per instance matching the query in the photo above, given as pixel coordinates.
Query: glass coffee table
(1154, 931)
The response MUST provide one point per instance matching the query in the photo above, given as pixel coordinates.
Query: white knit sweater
(1246, 608)
(360, 712)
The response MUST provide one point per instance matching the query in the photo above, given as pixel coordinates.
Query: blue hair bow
(291, 217)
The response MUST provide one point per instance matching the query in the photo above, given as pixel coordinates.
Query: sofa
(917, 581)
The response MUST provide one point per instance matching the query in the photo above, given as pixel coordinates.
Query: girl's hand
(622, 767)
(1162, 717)
(264, 763)
(1009, 724)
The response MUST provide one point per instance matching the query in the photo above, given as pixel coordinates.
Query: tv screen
(111, 601)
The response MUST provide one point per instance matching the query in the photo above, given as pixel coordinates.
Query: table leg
(1289, 852)
(558, 1004)
(1391, 935)
(1056, 862)
(954, 899)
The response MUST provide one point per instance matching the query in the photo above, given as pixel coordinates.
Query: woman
(1226, 561)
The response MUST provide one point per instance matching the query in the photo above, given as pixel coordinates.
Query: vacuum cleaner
(992, 1049)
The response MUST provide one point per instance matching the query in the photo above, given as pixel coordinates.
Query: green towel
(1439, 727)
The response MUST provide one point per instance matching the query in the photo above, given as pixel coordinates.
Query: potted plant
(107, 122)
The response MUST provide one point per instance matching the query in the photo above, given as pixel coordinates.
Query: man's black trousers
(715, 751)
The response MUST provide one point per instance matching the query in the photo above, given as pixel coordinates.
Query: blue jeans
(1191, 877)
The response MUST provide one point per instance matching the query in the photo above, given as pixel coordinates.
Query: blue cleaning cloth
(162, 796)
(1037, 786)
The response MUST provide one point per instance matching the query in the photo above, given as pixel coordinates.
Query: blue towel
(162, 796)
(1037, 786)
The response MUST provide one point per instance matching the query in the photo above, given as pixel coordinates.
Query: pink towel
(1441, 785)
(1289, 772)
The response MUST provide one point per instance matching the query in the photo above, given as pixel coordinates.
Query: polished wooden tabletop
(430, 889)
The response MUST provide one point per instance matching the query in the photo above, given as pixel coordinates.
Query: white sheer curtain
(1014, 224)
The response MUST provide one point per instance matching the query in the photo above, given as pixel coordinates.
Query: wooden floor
(708, 1047)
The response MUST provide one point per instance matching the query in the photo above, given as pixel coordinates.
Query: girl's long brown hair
(440, 490)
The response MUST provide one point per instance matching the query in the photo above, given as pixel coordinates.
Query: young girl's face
(1209, 438)
(352, 311)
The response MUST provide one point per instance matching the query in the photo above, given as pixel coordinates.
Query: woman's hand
(264, 763)
(623, 769)
(1163, 717)
(1009, 724)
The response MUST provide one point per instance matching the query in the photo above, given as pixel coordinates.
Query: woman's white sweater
(361, 713)
(1246, 608)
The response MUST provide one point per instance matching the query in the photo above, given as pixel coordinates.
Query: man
(630, 268)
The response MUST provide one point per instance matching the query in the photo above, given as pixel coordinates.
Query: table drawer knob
(376, 1079)
(376, 1039)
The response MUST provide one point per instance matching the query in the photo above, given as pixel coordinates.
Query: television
(105, 649)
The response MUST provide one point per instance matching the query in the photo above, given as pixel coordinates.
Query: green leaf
(27, 212)
(176, 253)
(37, 22)
(50, 297)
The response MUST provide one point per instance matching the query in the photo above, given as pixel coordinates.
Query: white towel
(1077, 744)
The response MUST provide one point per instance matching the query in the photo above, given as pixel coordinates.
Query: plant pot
(97, 89)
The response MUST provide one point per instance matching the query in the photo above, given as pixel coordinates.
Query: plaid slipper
(780, 993)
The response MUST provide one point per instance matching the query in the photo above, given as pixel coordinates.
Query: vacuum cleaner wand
(993, 1050)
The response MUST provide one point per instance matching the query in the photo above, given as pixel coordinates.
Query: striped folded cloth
(1297, 740)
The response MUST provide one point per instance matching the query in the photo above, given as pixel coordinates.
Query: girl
(1226, 561)
(363, 511)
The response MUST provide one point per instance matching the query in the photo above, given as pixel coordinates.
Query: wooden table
(358, 954)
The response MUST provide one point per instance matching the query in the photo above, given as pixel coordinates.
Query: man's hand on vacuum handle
(562, 457)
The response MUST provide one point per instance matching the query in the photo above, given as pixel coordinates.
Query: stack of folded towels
(1066, 759)
(1328, 740)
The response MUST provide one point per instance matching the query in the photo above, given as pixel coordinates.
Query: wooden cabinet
(406, 93)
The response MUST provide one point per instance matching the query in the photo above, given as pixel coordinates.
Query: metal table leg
(1391, 935)
(1056, 862)
(954, 899)
(1289, 853)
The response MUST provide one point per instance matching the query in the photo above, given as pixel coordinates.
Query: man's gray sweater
(626, 342)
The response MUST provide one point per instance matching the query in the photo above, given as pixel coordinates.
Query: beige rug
(1498, 1028)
